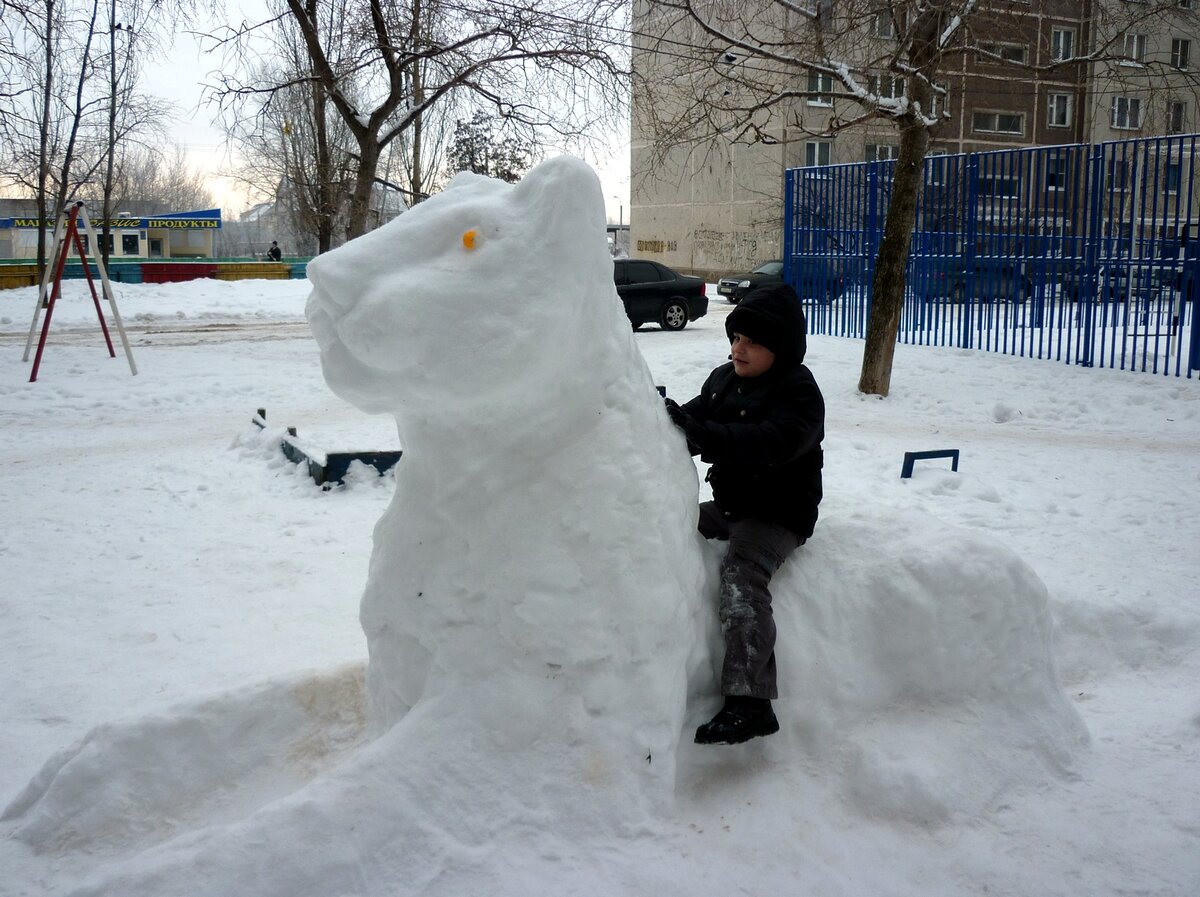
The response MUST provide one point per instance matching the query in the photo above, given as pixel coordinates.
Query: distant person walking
(273, 254)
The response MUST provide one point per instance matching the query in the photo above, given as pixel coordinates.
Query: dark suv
(734, 286)
(653, 292)
(993, 279)
(816, 278)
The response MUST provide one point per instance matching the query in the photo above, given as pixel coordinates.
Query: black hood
(772, 316)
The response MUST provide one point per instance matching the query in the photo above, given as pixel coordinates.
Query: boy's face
(750, 359)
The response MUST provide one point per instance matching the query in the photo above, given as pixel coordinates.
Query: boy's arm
(794, 426)
(688, 417)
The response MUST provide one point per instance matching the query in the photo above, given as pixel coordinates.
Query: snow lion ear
(543, 190)
(465, 179)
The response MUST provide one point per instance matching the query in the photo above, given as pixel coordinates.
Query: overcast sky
(179, 78)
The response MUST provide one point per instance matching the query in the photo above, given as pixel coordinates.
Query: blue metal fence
(1086, 254)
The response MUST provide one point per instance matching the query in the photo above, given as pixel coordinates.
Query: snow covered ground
(170, 578)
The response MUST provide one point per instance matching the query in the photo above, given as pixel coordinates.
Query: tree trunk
(417, 178)
(364, 184)
(887, 288)
(106, 211)
(325, 186)
(44, 142)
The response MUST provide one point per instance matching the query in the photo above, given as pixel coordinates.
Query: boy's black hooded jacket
(762, 435)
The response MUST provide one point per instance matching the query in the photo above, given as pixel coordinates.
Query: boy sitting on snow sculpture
(759, 421)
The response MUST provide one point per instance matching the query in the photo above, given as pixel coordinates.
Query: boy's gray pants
(756, 550)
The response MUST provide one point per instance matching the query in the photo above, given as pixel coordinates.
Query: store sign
(124, 223)
(183, 222)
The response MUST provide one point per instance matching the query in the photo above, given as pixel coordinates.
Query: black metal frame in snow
(336, 463)
(910, 458)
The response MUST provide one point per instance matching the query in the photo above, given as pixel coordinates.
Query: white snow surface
(218, 683)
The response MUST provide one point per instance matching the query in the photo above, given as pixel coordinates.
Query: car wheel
(674, 315)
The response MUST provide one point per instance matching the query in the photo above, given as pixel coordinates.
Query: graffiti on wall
(656, 245)
(740, 248)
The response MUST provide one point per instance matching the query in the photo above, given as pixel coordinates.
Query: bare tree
(725, 72)
(70, 106)
(385, 67)
(162, 177)
(478, 148)
(128, 112)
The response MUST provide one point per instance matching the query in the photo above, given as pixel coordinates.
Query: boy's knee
(752, 559)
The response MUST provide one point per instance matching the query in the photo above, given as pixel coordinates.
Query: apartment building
(1038, 73)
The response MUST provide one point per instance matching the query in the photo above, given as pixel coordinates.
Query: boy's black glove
(678, 416)
(693, 430)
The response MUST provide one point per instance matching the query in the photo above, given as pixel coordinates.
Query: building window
(1062, 44)
(941, 94)
(1126, 113)
(1176, 117)
(881, 152)
(1058, 111)
(998, 122)
(820, 89)
(1171, 177)
(820, 10)
(1134, 49)
(994, 53)
(882, 25)
(886, 87)
(817, 152)
(129, 244)
(105, 242)
(1057, 170)
(999, 186)
(1118, 174)
(937, 167)
(1185, 4)
(1181, 53)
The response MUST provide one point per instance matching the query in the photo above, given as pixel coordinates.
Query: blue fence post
(871, 237)
(1189, 289)
(970, 210)
(1086, 287)
(789, 226)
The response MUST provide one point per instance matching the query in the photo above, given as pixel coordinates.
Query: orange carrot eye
(469, 239)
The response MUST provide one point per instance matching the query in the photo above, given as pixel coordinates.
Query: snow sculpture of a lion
(536, 457)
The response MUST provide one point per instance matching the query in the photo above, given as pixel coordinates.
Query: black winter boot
(739, 720)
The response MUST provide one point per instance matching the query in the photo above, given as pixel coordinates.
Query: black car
(817, 278)
(991, 280)
(733, 287)
(1111, 282)
(653, 292)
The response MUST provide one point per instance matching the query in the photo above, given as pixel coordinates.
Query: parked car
(1112, 282)
(992, 280)
(819, 278)
(653, 292)
(734, 286)
(822, 278)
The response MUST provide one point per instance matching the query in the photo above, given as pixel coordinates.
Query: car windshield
(769, 268)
